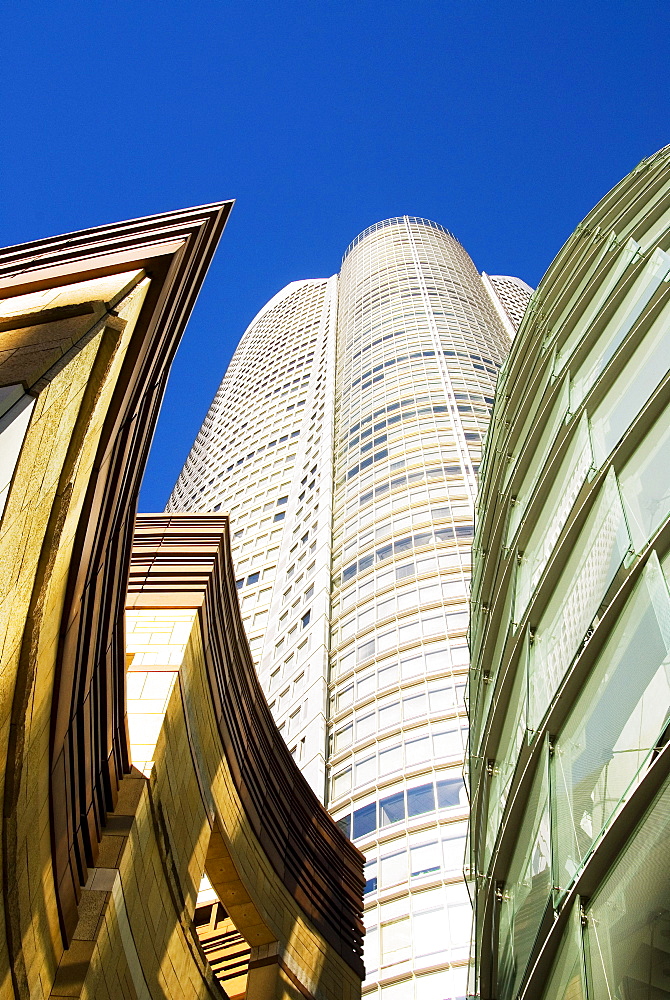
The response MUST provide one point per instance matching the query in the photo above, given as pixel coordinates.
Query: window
(392, 809)
(450, 792)
(343, 737)
(370, 875)
(294, 720)
(395, 941)
(344, 824)
(393, 868)
(280, 516)
(345, 697)
(420, 800)
(305, 620)
(365, 650)
(365, 820)
(253, 578)
(430, 932)
(414, 706)
(425, 858)
(366, 770)
(390, 759)
(341, 782)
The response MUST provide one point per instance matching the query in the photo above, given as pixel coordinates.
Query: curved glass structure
(569, 692)
(345, 441)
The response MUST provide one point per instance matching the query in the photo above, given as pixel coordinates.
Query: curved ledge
(184, 561)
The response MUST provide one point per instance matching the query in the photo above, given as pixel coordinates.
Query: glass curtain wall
(569, 688)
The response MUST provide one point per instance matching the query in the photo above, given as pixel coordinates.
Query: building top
(397, 220)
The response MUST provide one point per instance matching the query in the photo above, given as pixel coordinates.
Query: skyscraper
(345, 442)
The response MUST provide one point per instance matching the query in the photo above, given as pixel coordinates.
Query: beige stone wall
(36, 536)
(136, 938)
(264, 907)
(190, 821)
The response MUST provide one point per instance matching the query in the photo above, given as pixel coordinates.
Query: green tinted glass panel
(551, 518)
(594, 301)
(595, 559)
(632, 388)
(540, 455)
(614, 724)
(527, 889)
(511, 742)
(529, 422)
(628, 921)
(485, 688)
(645, 486)
(566, 979)
(626, 316)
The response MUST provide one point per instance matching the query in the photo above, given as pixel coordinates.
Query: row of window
(391, 756)
(402, 600)
(409, 412)
(402, 632)
(435, 658)
(253, 578)
(378, 373)
(403, 379)
(419, 516)
(411, 342)
(399, 574)
(407, 803)
(261, 448)
(418, 444)
(387, 364)
(425, 475)
(441, 696)
(434, 985)
(440, 931)
(207, 456)
(206, 493)
(433, 474)
(410, 508)
(263, 491)
(458, 533)
(433, 852)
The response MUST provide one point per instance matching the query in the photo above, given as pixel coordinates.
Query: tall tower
(345, 441)
(264, 454)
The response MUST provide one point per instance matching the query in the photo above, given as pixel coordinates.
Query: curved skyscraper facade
(352, 548)
(419, 348)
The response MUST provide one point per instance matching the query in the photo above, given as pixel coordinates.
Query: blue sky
(504, 121)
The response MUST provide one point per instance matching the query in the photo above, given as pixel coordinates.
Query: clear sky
(504, 120)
